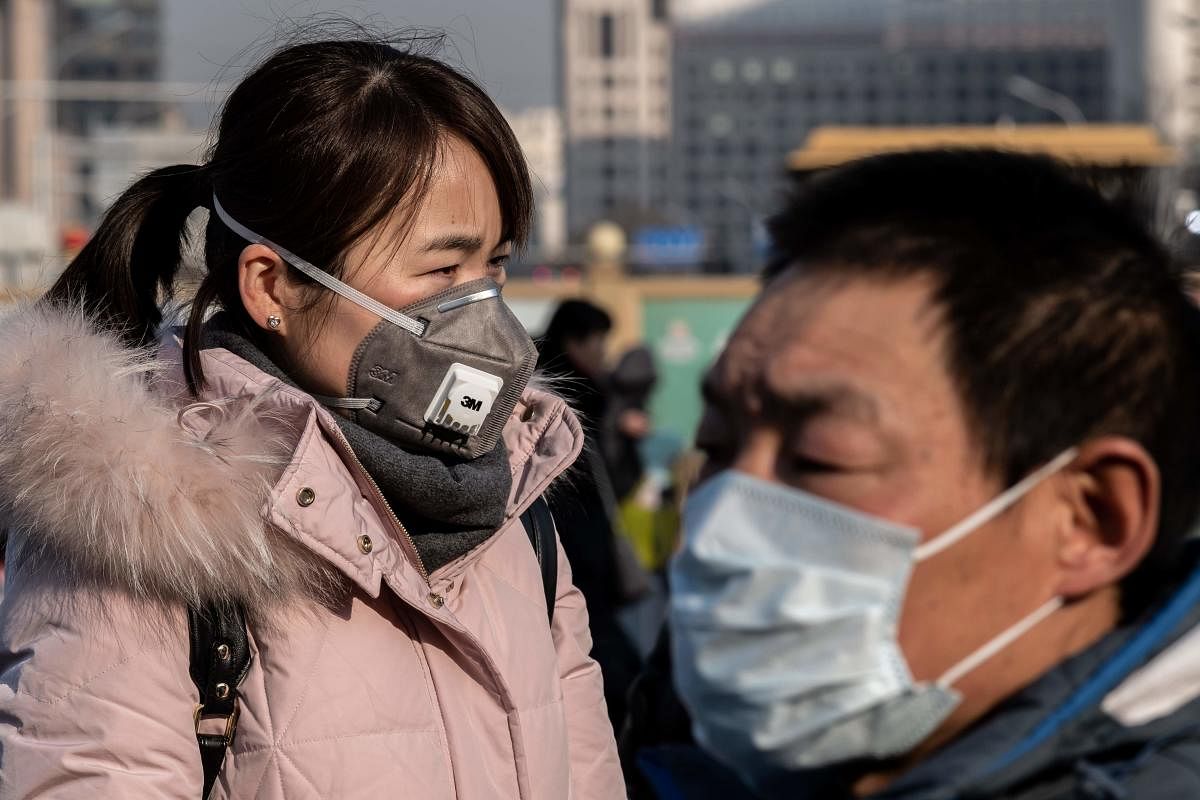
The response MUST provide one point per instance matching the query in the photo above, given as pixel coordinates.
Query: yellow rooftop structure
(1084, 145)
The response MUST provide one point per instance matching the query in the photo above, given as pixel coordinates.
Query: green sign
(686, 336)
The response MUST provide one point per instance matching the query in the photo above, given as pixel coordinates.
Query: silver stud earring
(273, 322)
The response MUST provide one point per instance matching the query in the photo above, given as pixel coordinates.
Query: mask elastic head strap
(997, 506)
(372, 404)
(413, 326)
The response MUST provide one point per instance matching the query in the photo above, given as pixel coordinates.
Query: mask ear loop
(1001, 503)
(997, 506)
(414, 326)
(968, 664)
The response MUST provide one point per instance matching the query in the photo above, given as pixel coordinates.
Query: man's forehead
(803, 332)
(775, 319)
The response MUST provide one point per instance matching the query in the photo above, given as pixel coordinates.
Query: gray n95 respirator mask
(441, 374)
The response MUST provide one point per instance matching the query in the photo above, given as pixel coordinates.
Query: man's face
(842, 390)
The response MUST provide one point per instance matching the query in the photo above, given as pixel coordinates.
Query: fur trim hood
(103, 479)
(111, 474)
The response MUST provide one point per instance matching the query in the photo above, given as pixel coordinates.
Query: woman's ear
(264, 287)
(1112, 494)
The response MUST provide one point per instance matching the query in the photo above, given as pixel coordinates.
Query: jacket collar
(1091, 703)
(111, 473)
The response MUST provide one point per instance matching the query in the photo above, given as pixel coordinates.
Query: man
(941, 546)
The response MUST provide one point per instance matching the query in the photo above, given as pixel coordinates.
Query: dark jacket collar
(1059, 720)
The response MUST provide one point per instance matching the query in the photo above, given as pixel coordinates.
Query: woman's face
(454, 238)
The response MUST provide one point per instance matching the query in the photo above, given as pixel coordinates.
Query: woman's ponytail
(127, 269)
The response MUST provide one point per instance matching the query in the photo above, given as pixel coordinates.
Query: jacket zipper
(395, 520)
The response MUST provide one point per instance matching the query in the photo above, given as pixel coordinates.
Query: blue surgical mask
(784, 618)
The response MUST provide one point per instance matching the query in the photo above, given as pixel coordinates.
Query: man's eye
(801, 464)
(500, 262)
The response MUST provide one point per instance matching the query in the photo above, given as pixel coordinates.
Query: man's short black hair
(1065, 318)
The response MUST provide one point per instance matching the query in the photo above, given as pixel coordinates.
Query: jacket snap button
(305, 497)
(223, 652)
(437, 600)
(365, 545)
(222, 690)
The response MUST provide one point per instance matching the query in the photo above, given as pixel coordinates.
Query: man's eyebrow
(799, 400)
(837, 398)
(453, 241)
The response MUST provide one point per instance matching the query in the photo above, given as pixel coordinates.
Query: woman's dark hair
(315, 147)
(573, 320)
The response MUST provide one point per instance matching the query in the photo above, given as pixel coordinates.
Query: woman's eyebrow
(453, 241)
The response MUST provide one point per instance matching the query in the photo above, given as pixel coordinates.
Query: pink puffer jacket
(124, 503)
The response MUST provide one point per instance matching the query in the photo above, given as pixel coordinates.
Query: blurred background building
(751, 82)
(84, 110)
(615, 91)
(671, 118)
(540, 132)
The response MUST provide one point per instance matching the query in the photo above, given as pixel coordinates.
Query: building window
(607, 36)
(720, 125)
(783, 70)
(753, 71)
(722, 71)
(658, 9)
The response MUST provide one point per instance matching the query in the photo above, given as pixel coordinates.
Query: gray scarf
(448, 505)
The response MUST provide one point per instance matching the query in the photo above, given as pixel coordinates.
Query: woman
(364, 201)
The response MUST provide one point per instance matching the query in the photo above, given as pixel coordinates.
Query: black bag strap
(539, 526)
(220, 659)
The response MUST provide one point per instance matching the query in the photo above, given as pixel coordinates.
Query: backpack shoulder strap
(539, 526)
(220, 659)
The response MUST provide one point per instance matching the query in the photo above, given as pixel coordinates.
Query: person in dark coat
(626, 423)
(942, 546)
(571, 356)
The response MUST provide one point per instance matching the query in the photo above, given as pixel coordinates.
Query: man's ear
(1111, 491)
(264, 286)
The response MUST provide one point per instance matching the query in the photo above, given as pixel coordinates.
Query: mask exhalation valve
(464, 399)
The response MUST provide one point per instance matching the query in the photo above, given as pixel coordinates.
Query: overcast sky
(507, 44)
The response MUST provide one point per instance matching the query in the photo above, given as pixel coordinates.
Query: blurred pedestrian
(941, 546)
(627, 420)
(286, 554)
(572, 358)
